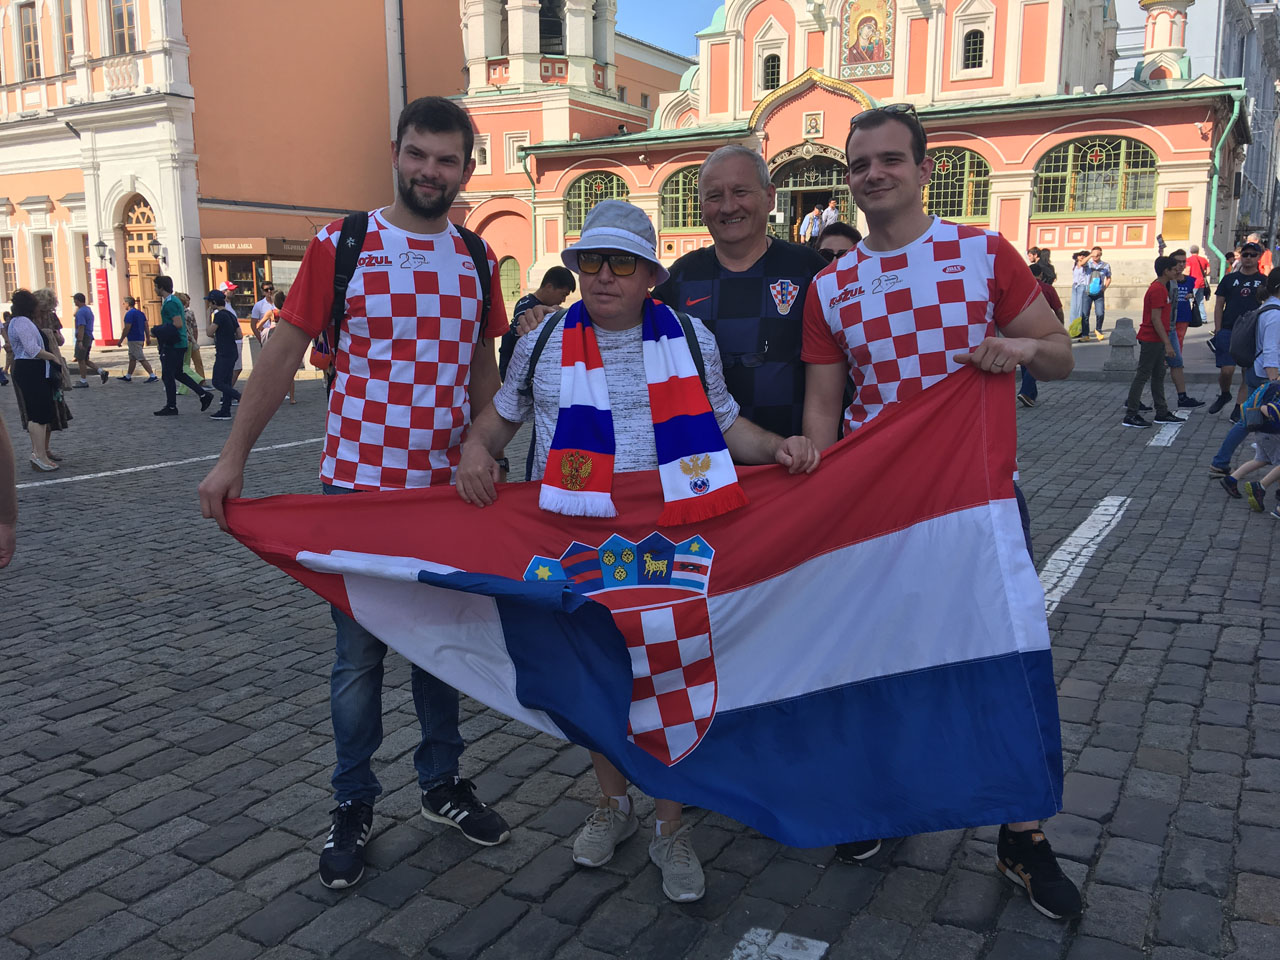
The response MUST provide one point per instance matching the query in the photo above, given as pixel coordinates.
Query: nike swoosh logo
(690, 302)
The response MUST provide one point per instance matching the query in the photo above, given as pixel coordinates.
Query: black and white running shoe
(456, 805)
(342, 860)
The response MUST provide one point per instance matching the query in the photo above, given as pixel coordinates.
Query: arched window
(681, 208)
(771, 72)
(960, 187)
(973, 42)
(482, 155)
(585, 192)
(1098, 175)
(509, 280)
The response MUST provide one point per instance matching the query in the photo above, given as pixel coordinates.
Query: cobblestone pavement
(165, 744)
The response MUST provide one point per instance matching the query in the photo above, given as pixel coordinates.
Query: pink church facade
(1026, 135)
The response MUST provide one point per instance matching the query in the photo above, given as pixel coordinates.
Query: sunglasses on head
(621, 264)
(892, 109)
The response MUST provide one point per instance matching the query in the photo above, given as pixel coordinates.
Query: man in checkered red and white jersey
(917, 300)
(415, 357)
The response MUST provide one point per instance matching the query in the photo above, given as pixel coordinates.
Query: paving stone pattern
(165, 745)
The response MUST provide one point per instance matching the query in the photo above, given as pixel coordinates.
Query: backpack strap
(544, 334)
(345, 261)
(480, 257)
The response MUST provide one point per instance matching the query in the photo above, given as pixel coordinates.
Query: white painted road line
(761, 944)
(1164, 436)
(1064, 566)
(159, 466)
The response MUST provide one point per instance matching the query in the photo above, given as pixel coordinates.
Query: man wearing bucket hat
(619, 337)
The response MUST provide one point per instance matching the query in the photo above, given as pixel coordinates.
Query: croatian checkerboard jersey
(400, 404)
(899, 317)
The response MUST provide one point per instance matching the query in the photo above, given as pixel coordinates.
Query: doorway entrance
(141, 268)
(804, 184)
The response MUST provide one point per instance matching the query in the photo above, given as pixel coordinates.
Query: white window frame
(974, 15)
(771, 39)
(511, 144)
(482, 143)
(622, 94)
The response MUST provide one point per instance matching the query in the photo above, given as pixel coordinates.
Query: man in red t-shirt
(1154, 347)
(1198, 270)
(414, 358)
(1029, 390)
(916, 301)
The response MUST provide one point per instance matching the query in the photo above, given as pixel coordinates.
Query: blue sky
(666, 23)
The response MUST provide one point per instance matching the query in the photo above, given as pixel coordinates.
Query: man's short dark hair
(1031, 250)
(165, 283)
(23, 304)
(561, 278)
(1091, 249)
(1163, 264)
(437, 115)
(1178, 253)
(1037, 270)
(878, 118)
(78, 297)
(130, 301)
(840, 229)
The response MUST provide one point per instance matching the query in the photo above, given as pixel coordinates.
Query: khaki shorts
(135, 350)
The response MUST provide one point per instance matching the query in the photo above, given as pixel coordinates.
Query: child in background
(1266, 453)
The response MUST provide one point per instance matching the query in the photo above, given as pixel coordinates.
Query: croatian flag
(858, 653)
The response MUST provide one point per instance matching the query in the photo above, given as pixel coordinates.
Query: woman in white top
(35, 370)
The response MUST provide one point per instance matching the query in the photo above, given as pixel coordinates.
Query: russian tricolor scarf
(697, 473)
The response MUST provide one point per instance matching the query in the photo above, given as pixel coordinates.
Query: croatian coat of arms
(657, 593)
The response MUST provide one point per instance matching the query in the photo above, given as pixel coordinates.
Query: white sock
(624, 803)
(658, 825)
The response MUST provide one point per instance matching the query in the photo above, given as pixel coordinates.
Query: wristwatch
(504, 464)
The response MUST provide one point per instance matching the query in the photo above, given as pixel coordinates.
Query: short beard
(404, 190)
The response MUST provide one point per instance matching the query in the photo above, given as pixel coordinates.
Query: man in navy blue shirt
(84, 342)
(557, 285)
(748, 289)
(134, 333)
(224, 328)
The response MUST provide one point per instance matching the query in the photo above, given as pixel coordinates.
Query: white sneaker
(682, 879)
(605, 828)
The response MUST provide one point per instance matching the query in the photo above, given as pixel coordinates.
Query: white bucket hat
(617, 225)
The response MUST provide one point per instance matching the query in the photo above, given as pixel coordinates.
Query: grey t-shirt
(623, 355)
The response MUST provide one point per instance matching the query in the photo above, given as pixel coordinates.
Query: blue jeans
(355, 704)
(1028, 388)
(1099, 307)
(1077, 303)
(1235, 436)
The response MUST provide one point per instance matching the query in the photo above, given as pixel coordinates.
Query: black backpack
(347, 258)
(1243, 345)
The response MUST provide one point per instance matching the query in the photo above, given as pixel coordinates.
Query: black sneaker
(1187, 403)
(456, 805)
(1026, 858)
(1025, 400)
(1135, 420)
(857, 851)
(166, 412)
(1222, 401)
(206, 398)
(1169, 417)
(219, 416)
(104, 375)
(342, 861)
(1235, 414)
(1256, 494)
(1144, 408)
(1229, 484)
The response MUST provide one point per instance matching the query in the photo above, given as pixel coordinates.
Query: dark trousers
(223, 369)
(171, 371)
(1150, 367)
(1098, 306)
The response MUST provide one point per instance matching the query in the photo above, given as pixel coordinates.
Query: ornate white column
(523, 42)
